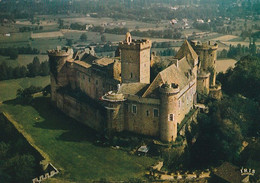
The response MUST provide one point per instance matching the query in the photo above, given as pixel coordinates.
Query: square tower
(135, 60)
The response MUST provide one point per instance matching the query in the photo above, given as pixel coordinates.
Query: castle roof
(229, 173)
(179, 73)
(187, 51)
(103, 61)
(88, 58)
(133, 88)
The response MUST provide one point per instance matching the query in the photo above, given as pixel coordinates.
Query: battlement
(133, 44)
(204, 46)
(65, 52)
(170, 89)
(136, 44)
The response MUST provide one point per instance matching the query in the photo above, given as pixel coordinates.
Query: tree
(3, 71)
(83, 37)
(156, 68)
(21, 167)
(244, 78)
(219, 140)
(13, 53)
(61, 23)
(34, 67)
(69, 42)
(103, 38)
(45, 69)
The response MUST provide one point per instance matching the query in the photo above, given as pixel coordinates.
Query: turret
(57, 59)
(113, 103)
(168, 112)
(207, 53)
(135, 60)
(203, 82)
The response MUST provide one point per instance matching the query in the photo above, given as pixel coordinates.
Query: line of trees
(14, 52)
(168, 33)
(167, 52)
(29, 29)
(239, 51)
(31, 70)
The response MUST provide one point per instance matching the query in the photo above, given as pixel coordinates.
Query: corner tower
(207, 53)
(57, 60)
(135, 60)
(168, 111)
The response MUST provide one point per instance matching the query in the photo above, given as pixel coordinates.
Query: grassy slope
(8, 88)
(70, 144)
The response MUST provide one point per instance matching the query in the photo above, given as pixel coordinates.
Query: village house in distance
(116, 94)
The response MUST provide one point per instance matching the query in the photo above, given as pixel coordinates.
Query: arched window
(131, 76)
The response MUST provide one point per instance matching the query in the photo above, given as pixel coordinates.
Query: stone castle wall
(143, 121)
(82, 112)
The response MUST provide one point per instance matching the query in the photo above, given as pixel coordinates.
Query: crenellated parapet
(204, 46)
(136, 44)
(169, 89)
(135, 59)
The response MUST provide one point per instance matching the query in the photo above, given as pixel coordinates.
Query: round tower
(115, 119)
(168, 112)
(207, 53)
(203, 82)
(57, 59)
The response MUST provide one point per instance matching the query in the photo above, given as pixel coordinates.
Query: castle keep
(116, 94)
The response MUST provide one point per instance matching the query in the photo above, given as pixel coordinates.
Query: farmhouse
(116, 94)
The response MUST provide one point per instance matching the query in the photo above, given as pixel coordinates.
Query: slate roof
(133, 88)
(103, 61)
(88, 58)
(180, 75)
(229, 173)
(187, 51)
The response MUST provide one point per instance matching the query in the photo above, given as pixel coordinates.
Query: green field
(44, 44)
(22, 60)
(71, 146)
(8, 88)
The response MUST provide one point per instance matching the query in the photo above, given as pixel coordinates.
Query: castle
(116, 94)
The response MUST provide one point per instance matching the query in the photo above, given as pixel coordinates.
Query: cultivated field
(46, 35)
(112, 23)
(15, 37)
(41, 23)
(225, 38)
(224, 64)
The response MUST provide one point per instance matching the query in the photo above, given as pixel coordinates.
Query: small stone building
(115, 95)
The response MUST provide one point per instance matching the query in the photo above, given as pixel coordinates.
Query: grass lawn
(15, 37)
(70, 145)
(8, 88)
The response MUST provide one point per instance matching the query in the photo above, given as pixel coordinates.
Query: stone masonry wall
(82, 112)
(143, 121)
